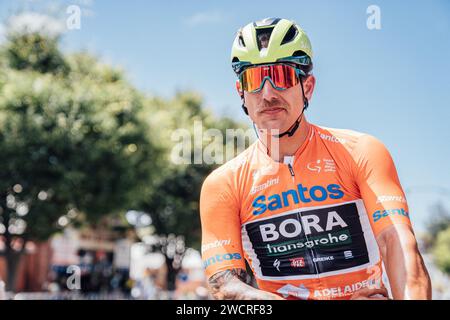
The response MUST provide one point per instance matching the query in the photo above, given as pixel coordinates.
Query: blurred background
(91, 91)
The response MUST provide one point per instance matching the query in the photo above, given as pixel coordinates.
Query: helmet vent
(266, 22)
(241, 41)
(263, 37)
(290, 35)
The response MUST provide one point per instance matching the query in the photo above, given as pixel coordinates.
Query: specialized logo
(380, 214)
(301, 194)
(276, 264)
(308, 242)
(322, 165)
(221, 258)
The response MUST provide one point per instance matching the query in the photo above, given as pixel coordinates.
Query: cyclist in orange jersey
(318, 213)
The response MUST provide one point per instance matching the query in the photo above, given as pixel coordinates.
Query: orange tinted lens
(252, 78)
(283, 76)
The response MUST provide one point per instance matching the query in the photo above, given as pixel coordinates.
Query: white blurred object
(29, 22)
(2, 290)
(122, 253)
(192, 260)
(142, 260)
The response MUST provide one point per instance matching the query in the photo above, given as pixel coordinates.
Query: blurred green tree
(173, 196)
(71, 141)
(439, 221)
(441, 250)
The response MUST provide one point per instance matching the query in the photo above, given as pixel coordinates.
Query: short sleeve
(221, 225)
(379, 185)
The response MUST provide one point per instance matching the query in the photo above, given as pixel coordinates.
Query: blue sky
(392, 83)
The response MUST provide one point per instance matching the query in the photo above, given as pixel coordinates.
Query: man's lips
(272, 110)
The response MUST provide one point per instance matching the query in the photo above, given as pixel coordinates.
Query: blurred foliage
(70, 136)
(441, 250)
(175, 192)
(437, 238)
(79, 142)
(35, 52)
(439, 221)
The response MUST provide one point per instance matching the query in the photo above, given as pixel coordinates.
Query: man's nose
(268, 92)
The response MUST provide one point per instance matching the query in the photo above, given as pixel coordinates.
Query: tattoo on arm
(233, 285)
(223, 277)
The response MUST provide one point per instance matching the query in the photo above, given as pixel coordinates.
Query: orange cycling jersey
(307, 227)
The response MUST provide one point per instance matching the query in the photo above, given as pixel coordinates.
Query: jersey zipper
(289, 161)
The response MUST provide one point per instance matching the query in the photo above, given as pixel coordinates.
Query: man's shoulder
(352, 140)
(230, 169)
(364, 149)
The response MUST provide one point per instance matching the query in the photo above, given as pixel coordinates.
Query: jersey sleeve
(221, 226)
(379, 185)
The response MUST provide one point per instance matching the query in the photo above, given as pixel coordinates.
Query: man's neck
(278, 148)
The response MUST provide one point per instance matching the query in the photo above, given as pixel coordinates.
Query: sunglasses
(281, 76)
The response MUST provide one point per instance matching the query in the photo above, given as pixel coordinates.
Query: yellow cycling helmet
(271, 40)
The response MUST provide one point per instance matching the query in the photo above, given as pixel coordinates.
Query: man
(316, 212)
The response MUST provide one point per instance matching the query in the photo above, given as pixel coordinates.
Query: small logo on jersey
(276, 264)
(265, 185)
(290, 290)
(322, 165)
(348, 254)
(297, 262)
(331, 138)
(322, 259)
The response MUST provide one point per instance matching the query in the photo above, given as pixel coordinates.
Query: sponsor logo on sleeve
(221, 258)
(386, 198)
(215, 244)
(380, 214)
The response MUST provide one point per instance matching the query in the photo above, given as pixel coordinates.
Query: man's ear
(309, 85)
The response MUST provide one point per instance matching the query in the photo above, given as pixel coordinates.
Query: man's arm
(388, 213)
(231, 285)
(404, 265)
